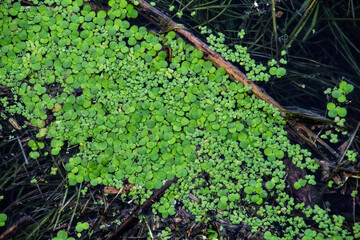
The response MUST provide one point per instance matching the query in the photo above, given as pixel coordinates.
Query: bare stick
(15, 228)
(22, 150)
(133, 217)
(275, 29)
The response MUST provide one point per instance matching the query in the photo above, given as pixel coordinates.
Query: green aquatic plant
(356, 229)
(143, 108)
(238, 54)
(62, 235)
(337, 109)
(351, 155)
(80, 227)
(3, 218)
(339, 94)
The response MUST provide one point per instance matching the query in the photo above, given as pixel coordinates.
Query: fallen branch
(15, 228)
(133, 217)
(166, 23)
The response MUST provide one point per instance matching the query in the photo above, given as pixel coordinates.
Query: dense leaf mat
(146, 107)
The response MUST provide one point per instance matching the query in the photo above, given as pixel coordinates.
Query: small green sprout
(334, 138)
(165, 234)
(53, 170)
(279, 72)
(84, 191)
(33, 181)
(354, 193)
(211, 234)
(351, 155)
(282, 61)
(300, 183)
(62, 235)
(3, 218)
(80, 227)
(179, 14)
(34, 155)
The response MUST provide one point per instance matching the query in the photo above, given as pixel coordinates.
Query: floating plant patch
(144, 114)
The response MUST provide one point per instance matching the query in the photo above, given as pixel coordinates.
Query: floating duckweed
(144, 114)
(240, 55)
(3, 218)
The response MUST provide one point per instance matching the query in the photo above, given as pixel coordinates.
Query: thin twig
(150, 232)
(118, 193)
(15, 228)
(133, 217)
(22, 150)
(275, 29)
(354, 201)
(77, 203)
(340, 162)
(61, 208)
(302, 22)
(338, 166)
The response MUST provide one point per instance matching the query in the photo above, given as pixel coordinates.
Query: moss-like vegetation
(144, 108)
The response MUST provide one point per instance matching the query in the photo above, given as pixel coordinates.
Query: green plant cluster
(329, 226)
(80, 227)
(339, 96)
(276, 70)
(144, 108)
(62, 235)
(239, 54)
(337, 110)
(356, 229)
(165, 234)
(351, 155)
(3, 218)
